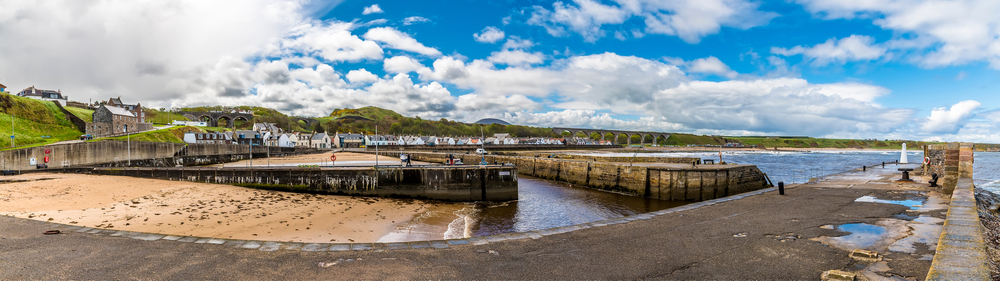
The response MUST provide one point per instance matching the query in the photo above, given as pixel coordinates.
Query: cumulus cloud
(396, 39)
(414, 20)
(689, 20)
(711, 65)
(516, 57)
(107, 47)
(401, 64)
(935, 33)
(373, 9)
(949, 120)
(490, 34)
(330, 41)
(361, 76)
(852, 48)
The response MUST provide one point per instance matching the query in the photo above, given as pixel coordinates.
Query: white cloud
(107, 47)
(945, 120)
(516, 57)
(711, 65)
(361, 76)
(490, 34)
(414, 20)
(852, 48)
(515, 42)
(933, 33)
(689, 20)
(399, 40)
(373, 9)
(401, 64)
(331, 41)
(961, 75)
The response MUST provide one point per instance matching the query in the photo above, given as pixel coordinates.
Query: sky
(885, 69)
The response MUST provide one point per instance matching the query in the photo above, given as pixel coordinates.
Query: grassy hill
(172, 134)
(35, 122)
(83, 113)
(390, 122)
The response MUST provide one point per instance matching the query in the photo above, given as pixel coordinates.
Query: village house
(136, 109)
(3, 88)
(321, 141)
(305, 140)
(244, 137)
(348, 140)
(267, 127)
(39, 94)
(207, 138)
(111, 121)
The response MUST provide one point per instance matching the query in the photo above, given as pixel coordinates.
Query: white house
(287, 140)
(400, 140)
(208, 138)
(447, 141)
(321, 141)
(414, 140)
(304, 140)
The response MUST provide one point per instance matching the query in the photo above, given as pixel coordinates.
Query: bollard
(883, 164)
(864, 168)
(781, 188)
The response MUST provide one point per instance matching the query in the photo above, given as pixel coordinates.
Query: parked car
(480, 151)
(86, 137)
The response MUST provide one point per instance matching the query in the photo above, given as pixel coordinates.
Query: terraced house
(114, 121)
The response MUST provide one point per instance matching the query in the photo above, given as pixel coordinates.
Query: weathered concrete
(722, 239)
(664, 181)
(950, 162)
(117, 153)
(455, 183)
(961, 250)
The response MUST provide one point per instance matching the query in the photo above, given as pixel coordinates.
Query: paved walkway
(757, 237)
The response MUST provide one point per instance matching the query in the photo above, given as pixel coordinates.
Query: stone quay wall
(678, 184)
(117, 153)
(451, 183)
(950, 161)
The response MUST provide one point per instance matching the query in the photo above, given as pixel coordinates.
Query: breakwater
(675, 182)
(120, 153)
(461, 183)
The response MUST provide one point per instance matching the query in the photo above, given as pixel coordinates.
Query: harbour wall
(446, 183)
(950, 162)
(688, 183)
(120, 153)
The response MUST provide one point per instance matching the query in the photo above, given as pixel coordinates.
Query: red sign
(46, 159)
(47, 151)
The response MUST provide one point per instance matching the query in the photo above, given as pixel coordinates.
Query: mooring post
(883, 164)
(864, 168)
(781, 188)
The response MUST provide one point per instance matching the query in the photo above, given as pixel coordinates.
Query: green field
(173, 134)
(162, 116)
(35, 122)
(83, 113)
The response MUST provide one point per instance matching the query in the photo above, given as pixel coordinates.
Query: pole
(128, 138)
(376, 145)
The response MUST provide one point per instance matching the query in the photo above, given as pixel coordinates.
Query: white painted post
(902, 157)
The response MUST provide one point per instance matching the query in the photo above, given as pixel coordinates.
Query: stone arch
(245, 120)
(229, 121)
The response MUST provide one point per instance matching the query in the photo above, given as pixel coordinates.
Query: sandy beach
(215, 210)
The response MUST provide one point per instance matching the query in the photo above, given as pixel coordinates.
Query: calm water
(796, 167)
(546, 204)
(986, 171)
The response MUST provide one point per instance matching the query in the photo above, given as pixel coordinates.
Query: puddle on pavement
(924, 230)
(870, 237)
(912, 203)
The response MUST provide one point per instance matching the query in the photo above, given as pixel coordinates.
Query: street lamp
(128, 139)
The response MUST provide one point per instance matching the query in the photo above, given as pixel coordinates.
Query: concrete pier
(665, 181)
(446, 183)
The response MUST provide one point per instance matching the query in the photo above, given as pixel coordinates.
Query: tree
(318, 128)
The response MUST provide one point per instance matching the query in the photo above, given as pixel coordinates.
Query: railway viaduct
(628, 134)
(214, 117)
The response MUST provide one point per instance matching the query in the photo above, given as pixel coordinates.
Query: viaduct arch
(603, 132)
(214, 117)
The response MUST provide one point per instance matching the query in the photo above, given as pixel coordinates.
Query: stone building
(135, 109)
(114, 121)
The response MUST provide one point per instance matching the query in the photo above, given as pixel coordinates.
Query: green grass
(173, 135)
(162, 117)
(214, 129)
(35, 122)
(83, 113)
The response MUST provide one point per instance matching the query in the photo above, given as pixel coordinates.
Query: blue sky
(898, 69)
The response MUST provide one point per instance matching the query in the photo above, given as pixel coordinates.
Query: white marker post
(902, 157)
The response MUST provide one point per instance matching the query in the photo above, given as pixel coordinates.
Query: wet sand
(213, 210)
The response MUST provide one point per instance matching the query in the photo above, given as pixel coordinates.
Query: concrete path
(757, 237)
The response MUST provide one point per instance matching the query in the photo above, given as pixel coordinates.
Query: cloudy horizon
(920, 70)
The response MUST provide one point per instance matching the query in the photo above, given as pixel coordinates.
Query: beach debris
(495, 253)
(51, 232)
(865, 255)
(837, 275)
(741, 234)
(327, 264)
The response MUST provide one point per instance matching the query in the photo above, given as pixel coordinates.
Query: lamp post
(376, 145)
(128, 139)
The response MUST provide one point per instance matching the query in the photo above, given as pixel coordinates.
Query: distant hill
(488, 121)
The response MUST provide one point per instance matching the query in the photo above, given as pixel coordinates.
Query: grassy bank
(35, 122)
(173, 135)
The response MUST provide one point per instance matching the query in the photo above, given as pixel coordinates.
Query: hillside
(172, 134)
(35, 122)
(390, 122)
(261, 115)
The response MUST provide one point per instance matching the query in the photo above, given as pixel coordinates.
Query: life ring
(333, 157)
(927, 160)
